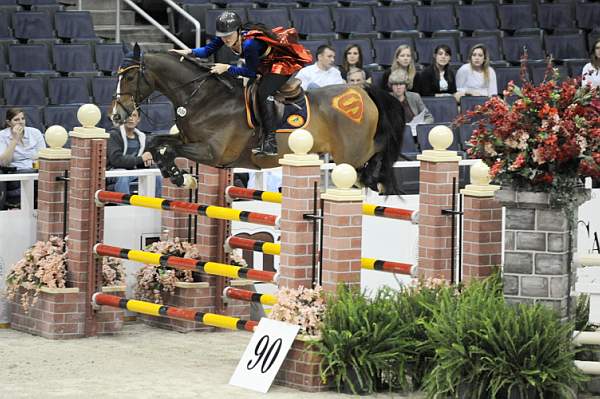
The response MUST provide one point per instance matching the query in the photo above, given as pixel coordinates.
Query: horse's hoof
(190, 182)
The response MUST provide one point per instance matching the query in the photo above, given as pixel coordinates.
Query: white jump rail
(588, 282)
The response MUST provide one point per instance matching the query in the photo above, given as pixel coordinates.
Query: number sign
(264, 355)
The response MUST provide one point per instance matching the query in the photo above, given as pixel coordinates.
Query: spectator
(591, 70)
(404, 59)
(415, 111)
(353, 59)
(321, 73)
(477, 78)
(437, 79)
(127, 150)
(357, 77)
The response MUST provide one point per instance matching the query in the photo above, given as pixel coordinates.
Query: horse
(361, 126)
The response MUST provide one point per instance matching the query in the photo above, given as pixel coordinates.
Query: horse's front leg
(163, 150)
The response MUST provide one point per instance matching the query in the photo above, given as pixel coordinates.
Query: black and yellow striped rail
(249, 296)
(234, 192)
(153, 309)
(215, 212)
(275, 249)
(217, 269)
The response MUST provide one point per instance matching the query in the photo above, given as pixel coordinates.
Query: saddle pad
(295, 116)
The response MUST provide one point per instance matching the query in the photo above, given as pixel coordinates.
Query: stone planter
(539, 242)
(110, 320)
(300, 369)
(59, 313)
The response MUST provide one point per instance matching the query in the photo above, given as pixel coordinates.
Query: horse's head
(132, 88)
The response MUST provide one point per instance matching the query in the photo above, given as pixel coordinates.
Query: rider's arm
(252, 51)
(209, 49)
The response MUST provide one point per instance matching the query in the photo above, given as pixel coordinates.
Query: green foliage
(486, 348)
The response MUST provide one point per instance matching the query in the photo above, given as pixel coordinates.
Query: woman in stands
(477, 78)
(19, 144)
(591, 70)
(353, 60)
(415, 110)
(404, 59)
(437, 79)
(275, 55)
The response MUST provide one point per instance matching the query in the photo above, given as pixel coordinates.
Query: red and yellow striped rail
(234, 192)
(275, 249)
(215, 212)
(217, 269)
(249, 296)
(153, 309)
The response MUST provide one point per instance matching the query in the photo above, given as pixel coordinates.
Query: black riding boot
(268, 144)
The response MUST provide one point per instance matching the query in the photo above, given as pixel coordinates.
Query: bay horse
(356, 125)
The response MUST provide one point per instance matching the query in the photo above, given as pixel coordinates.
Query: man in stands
(356, 77)
(321, 73)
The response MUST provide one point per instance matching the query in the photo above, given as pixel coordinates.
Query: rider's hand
(219, 68)
(181, 52)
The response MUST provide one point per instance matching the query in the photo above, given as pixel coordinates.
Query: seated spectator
(357, 77)
(591, 70)
(19, 147)
(404, 59)
(321, 73)
(353, 59)
(477, 78)
(437, 79)
(415, 111)
(126, 150)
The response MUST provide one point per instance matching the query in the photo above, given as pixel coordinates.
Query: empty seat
(5, 31)
(33, 116)
(103, 89)
(465, 132)
(73, 58)
(587, 15)
(477, 17)
(468, 103)
(575, 67)
(377, 78)
(108, 56)
(433, 18)
(25, 58)
(561, 47)
(184, 28)
(398, 17)
(409, 147)
(425, 46)
(62, 115)
(157, 117)
(555, 15)
(311, 20)
(74, 25)
(272, 17)
(423, 136)
(516, 16)
(211, 17)
(443, 109)
(365, 45)
(513, 48)
(3, 62)
(385, 48)
(505, 75)
(353, 19)
(313, 45)
(540, 72)
(490, 42)
(32, 25)
(68, 91)
(24, 91)
(8, 2)
(49, 9)
(36, 2)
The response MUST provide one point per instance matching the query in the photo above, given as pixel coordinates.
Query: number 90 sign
(264, 355)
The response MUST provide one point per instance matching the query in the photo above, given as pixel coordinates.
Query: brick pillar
(54, 161)
(482, 223)
(539, 241)
(342, 230)
(438, 167)
(176, 223)
(86, 220)
(300, 171)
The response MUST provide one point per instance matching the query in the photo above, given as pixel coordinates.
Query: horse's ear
(136, 52)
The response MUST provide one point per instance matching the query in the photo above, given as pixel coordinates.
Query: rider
(275, 55)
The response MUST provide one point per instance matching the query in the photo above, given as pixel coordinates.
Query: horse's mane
(195, 64)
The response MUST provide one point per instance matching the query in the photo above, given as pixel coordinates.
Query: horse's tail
(388, 139)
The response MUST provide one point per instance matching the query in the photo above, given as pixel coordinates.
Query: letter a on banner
(264, 355)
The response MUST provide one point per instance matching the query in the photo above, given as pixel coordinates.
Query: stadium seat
(103, 89)
(490, 42)
(68, 91)
(505, 75)
(409, 147)
(425, 46)
(156, 118)
(33, 116)
(5, 30)
(108, 56)
(434, 18)
(63, 115)
(555, 15)
(36, 2)
(477, 17)
(538, 72)
(465, 132)
(70, 58)
(353, 19)
(24, 91)
(182, 27)
(8, 2)
(377, 78)
(393, 18)
(385, 48)
(49, 9)
(311, 20)
(516, 16)
(365, 45)
(562, 47)
(105, 122)
(423, 136)
(443, 108)
(25, 58)
(75, 25)
(313, 45)
(468, 103)
(32, 25)
(513, 48)
(587, 15)
(575, 67)
(271, 17)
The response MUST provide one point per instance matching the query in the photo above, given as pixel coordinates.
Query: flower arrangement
(113, 272)
(303, 306)
(43, 265)
(547, 140)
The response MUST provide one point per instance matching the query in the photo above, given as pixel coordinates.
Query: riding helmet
(227, 23)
